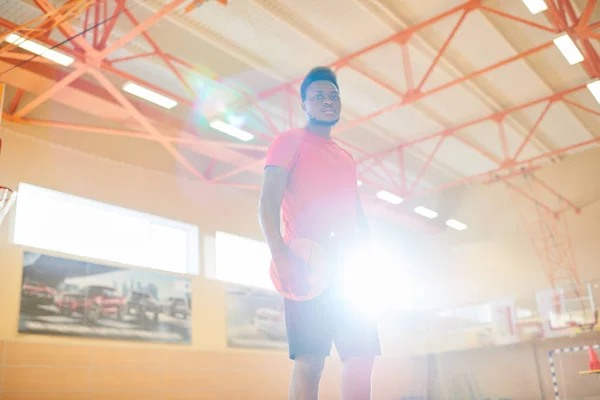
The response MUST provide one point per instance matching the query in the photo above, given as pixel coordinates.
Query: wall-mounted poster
(255, 318)
(67, 297)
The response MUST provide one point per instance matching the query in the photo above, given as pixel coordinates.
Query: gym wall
(517, 372)
(40, 367)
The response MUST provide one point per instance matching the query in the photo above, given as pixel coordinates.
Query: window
(241, 260)
(64, 223)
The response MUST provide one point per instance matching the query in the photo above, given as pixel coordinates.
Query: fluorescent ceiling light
(568, 48)
(231, 130)
(536, 6)
(389, 197)
(359, 182)
(594, 87)
(426, 212)
(149, 95)
(39, 49)
(459, 226)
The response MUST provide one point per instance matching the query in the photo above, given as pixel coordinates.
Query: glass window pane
(168, 249)
(60, 222)
(242, 260)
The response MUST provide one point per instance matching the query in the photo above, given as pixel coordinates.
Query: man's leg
(310, 337)
(356, 378)
(306, 375)
(357, 342)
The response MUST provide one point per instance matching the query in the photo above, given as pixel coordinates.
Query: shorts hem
(297, 354)
(374, 354)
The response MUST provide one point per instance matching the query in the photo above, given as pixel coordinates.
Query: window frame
(192, 232)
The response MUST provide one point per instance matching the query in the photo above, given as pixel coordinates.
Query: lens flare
(236, 120)
(376, 282)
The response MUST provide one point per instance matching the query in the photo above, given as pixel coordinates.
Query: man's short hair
(318, 74)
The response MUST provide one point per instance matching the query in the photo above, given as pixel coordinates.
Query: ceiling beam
(396, 23)
(320, 39)
(261, 65)
(536, 73)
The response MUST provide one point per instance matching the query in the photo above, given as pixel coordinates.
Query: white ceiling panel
(407, 123)
(490, 49)
(487, 136)
(417, 11)
(18, 12)
(361, 94)
(562, 128)
(462, 158)
(456, 104)
(389, 64)
(514, 141)
(556, 71)
(517, 83)
(326, 18)
(259, 32)
(521, 35)
(420, 63)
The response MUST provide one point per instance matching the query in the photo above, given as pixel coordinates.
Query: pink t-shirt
(320, 201)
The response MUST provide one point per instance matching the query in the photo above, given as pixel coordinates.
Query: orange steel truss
(548, 230)
(91, 49)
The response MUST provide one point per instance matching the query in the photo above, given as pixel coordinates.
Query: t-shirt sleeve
(282, 151)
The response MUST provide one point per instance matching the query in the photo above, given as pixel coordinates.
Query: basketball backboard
(563, 311)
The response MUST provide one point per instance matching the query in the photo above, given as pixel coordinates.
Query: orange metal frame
(91, 49)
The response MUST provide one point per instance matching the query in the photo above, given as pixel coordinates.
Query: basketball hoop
(7, 198)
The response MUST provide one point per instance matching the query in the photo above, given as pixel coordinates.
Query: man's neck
(323, 131)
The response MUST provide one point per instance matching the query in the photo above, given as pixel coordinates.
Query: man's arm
(269, 206)
(363, 225)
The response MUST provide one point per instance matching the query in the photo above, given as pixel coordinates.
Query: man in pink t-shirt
(312, 181)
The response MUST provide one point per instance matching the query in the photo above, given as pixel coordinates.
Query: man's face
(323, 103)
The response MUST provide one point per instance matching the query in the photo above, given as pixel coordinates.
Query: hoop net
(7, 198)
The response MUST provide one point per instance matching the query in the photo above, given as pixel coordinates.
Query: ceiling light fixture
(359, 182)
(594, 88)
(569, 49)
(149, 95)
(536, 6)
(426, 212)
(389, 197)
(459, 226)
(231, 130)
(39, 50)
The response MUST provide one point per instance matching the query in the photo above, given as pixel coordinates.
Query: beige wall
(36, 162)
(29, 363)
(495, 256)
(452, 271)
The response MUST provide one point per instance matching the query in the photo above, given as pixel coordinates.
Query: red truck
(37, 292)
(94, 302)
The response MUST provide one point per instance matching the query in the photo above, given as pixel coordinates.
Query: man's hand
(292, 272)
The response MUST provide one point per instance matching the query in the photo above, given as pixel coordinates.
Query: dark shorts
(313, 325)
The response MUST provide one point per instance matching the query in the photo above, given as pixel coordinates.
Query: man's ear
(303, 107)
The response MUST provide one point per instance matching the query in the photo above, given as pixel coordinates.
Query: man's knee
(362, 366)
(310, 367)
